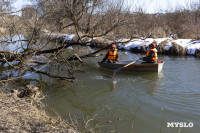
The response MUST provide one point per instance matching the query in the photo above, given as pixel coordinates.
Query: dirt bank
(23, 115)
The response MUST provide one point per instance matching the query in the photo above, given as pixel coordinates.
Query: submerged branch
(53, 76)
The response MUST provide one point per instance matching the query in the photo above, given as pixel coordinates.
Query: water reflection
(155, 83)
(151, 81)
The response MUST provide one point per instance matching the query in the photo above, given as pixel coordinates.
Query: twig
(7, 62)
(78, 58)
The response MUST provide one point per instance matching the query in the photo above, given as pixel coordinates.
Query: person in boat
(112, 55)
(151, 56)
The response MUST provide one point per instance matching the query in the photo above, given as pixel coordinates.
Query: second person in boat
(151, 56)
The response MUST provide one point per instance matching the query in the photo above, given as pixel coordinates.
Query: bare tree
(83, 17)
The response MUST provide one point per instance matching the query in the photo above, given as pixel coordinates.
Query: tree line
(94, 18)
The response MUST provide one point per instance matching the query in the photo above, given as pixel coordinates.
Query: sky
(20, 3)
(155, 6)
(149, 6)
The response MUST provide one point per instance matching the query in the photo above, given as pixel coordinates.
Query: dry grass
(23, 112)
(20, 115)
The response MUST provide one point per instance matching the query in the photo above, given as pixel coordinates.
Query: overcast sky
(149, 6)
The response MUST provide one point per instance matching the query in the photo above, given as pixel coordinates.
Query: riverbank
(26, 115)
(165, 46)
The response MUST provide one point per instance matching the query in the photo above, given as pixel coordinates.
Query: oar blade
(117, 70)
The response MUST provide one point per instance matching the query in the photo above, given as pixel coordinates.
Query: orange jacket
(112, 54)
(155, 56)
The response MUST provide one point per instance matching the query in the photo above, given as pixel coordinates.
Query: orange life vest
(155, 54)
(112, 54)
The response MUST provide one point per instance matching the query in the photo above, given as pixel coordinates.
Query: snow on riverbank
(191, 45)
(164, 45)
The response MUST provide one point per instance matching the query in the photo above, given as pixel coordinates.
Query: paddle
(120, 68)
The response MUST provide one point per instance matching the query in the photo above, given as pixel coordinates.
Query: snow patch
(192, 46)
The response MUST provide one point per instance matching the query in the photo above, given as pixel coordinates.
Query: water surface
(131, 101)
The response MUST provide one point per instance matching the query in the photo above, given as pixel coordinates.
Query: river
(132, 102)
(143, 102)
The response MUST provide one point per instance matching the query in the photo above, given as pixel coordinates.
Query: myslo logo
(179, 124)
